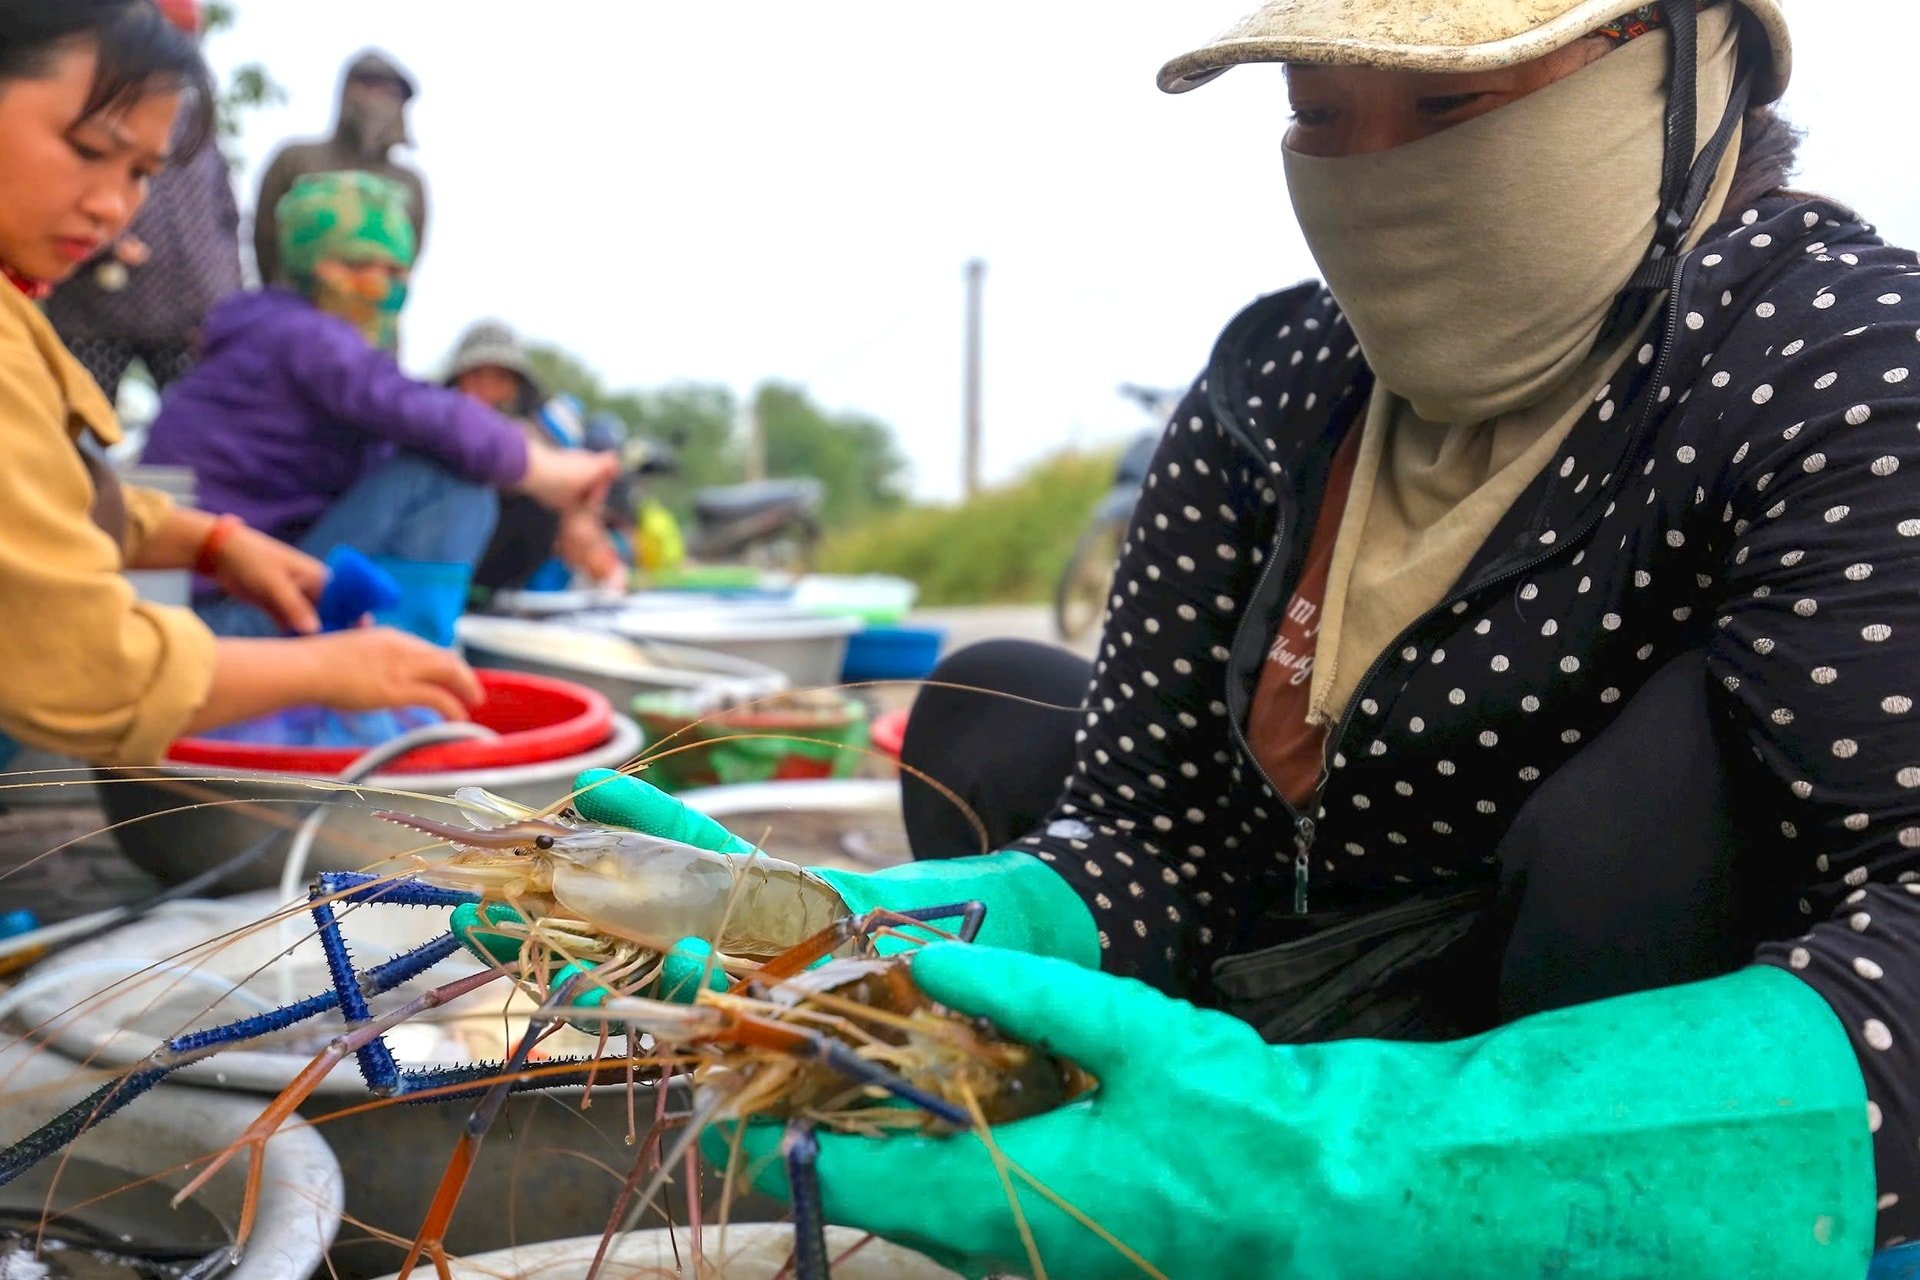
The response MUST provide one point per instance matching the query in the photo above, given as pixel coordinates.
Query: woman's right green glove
(1707, 1131)
(1029, 908)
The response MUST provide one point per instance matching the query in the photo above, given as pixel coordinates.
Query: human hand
(1175, 1162)
(613, 800)
(565, 479)
(265, 571)
(585, 546)
(377, 668)
(132, 251)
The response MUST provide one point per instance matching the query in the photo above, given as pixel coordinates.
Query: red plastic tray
(538, 719)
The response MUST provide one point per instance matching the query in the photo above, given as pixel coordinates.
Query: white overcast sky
(731, 191)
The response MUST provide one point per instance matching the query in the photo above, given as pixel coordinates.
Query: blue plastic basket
(893, 653)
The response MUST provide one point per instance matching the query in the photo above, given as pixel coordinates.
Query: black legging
(1618, 873)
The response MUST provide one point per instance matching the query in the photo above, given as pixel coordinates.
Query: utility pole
(976, 287)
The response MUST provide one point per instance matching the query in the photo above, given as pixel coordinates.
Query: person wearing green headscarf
(299, 421)
(347, 242)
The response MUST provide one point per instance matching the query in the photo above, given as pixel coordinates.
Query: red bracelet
(207, 563)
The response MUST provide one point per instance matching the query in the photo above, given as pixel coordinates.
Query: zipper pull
(1303, 833)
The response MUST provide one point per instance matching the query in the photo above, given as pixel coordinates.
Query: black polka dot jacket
(1754, 492)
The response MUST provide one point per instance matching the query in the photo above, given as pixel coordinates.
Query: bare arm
(363, 670)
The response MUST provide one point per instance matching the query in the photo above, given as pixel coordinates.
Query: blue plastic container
(893, 653)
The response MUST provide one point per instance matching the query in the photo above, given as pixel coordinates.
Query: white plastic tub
(618, 666)
(809, 650)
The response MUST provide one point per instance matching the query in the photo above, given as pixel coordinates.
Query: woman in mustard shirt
(90, 95)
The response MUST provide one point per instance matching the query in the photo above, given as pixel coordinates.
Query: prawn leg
(809, 1045)
(177, 1052)
(810, 952)
(801, 1151)
(377, 1065)
(433, 1232)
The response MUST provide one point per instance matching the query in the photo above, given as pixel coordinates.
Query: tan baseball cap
(1433, 35)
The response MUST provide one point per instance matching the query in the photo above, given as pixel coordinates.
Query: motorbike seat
(741, 501)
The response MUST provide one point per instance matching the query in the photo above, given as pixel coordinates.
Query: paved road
(1020, 622)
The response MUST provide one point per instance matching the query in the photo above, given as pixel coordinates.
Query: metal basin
(549, 1168)
(619, 667)
(301, 1187)
(741, 1252)
(175, 821)
(852, 824)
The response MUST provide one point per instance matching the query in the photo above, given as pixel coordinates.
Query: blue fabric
(1897, 1264)
(433, 595)
(551, 576)
(410, 511)
(290, 409)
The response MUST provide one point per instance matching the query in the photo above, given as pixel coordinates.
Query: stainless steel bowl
(174, 1128)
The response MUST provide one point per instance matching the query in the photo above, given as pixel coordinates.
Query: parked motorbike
(770, 524)
(1080, 598)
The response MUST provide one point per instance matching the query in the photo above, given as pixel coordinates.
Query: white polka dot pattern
(1751, 502)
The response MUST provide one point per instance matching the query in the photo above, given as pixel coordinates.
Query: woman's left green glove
(1718, 1129)
(1029, 908)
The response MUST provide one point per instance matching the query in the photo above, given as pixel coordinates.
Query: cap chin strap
(1684, 180)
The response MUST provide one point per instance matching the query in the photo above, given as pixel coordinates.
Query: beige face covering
(1478, 268)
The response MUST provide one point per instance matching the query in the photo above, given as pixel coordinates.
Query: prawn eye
(543, 843)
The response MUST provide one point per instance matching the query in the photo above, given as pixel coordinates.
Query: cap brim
(1328, 32)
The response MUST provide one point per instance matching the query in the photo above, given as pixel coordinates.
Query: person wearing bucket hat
(491, 364)
(299, 422)
(1497, 794)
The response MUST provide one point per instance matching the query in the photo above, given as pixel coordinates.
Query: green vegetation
(251, 87)
(854, 456)
(1007, 546)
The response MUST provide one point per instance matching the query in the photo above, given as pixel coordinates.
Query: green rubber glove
(617, 801)
(1029, 908)
(1713, 1130)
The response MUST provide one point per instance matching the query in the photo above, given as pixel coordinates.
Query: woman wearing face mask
(90, 91)
(298, 421)
(1504, 730)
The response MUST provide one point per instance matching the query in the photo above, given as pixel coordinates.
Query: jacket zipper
(1304, 828)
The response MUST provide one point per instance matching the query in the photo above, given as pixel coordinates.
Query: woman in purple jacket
(299, 421)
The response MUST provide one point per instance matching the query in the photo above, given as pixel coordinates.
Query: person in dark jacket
(1490, 834)
(491, 364)
(147, 296)
(371, 125)
(299, 422)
